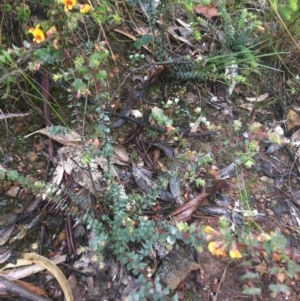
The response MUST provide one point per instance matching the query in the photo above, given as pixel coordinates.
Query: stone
(13, 191)
(175, 267)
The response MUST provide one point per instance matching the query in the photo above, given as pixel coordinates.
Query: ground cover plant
(170, 132)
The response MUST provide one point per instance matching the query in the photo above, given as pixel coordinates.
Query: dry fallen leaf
(260, 98)
(247, 106)
(172, 30)
(22, 270)
(142, 30)
(120, 156)
(30, 258)
(281, 276)
(296, 136)
(61, 135)
(184, 212)
(207, 11)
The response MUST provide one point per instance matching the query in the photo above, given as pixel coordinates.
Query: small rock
(31, 156)
(34, 246)
(39, 165)
(270, 212)
(190, 98)
(13, 191)
(125, 280)
(62, 236)
(233, 180)
(175, 267)
(6, 185)
(20, 169)
(267, 180)
(245, 286)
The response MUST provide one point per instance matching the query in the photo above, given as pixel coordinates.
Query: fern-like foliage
(287, 10)
(239, 47)
(293, 5)
(239, 32)
(228, 26)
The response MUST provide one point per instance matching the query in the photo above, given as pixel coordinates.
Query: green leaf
(13, 175)
(2, 174)
(97, 57)
(252, 291)
(39, 184)
(78, 62)
(279, 288)
(275, 270)
(16, 50)
(250, 276)
(145, 39)
(101, 75)
(160, 117)
(5, 57)
(249, 163)
(245, 263)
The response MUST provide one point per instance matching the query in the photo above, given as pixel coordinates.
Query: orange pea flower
(208, 230)
(216, 248)
(69, 4)
(211, 233)
(234, 253)
(276, 256)
(85, 8)
(38, 34)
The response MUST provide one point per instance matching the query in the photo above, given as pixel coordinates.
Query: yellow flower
(234, 253)
(85, 8)
(211, 233)
(38, 35)
(216, 248)
(69, 4)
(208, 230)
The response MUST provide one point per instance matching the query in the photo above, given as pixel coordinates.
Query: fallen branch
(10, 115)
(16, 289)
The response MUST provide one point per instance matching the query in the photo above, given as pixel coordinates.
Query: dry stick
(45, 91)
(12, 115)
(70, 235)
(14, 288)
(222, 279)
(289, 26)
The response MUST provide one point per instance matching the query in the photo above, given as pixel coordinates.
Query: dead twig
(11, 115)
(16, 289)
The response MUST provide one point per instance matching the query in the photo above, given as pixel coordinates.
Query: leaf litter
(277, 171)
